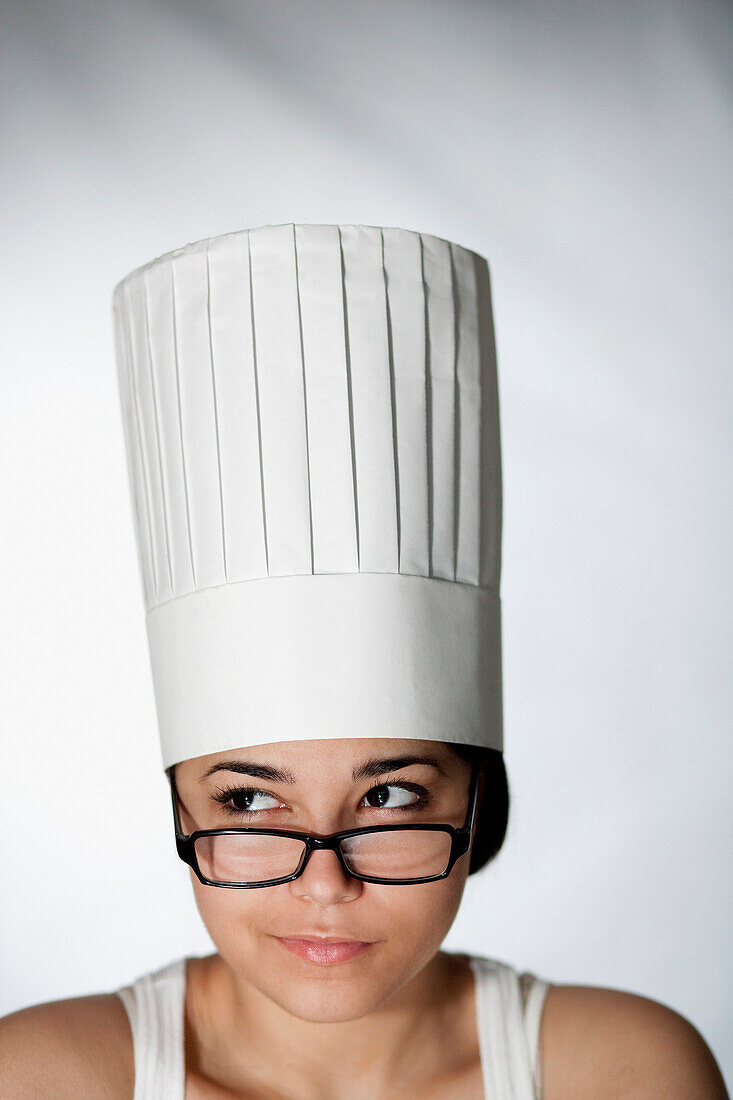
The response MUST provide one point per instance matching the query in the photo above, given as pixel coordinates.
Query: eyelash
(225, 794)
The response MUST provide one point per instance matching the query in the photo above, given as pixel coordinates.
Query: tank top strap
(535, 1002)
(155, 1007)
(508, 1030)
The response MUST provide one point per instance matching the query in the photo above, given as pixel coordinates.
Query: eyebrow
(370, 769)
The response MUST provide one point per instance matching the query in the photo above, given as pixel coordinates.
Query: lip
(316, 937)
(324, 950)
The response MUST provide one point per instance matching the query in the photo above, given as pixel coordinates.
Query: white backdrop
(580, 147)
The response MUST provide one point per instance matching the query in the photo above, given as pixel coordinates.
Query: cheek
(229, 915)
(429, 911)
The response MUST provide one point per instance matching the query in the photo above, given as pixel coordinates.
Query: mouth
(325, 950)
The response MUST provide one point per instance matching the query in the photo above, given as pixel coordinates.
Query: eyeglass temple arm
(471, 814)
(180, 835)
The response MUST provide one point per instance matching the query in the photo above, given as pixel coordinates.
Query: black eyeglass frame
(460, 843)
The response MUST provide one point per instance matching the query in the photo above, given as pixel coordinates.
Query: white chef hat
(312, 433)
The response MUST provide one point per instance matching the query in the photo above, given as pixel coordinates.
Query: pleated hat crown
(312, 433)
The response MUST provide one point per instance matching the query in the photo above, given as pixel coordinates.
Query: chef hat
(312, 436)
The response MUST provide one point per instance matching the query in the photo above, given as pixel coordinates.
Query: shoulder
(81, 1046)
(610, 1043)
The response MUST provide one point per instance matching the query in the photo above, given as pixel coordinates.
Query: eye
(405, 798)
(244, 799)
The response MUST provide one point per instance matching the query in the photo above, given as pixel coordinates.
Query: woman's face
(405, 925)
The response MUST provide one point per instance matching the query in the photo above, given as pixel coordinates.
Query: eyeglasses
(398, 855)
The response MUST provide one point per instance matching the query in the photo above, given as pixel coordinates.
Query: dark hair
(492, 813)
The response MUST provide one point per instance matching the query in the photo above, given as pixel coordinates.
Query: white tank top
(508, 1030)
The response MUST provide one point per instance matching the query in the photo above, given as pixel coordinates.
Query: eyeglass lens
(250, 858)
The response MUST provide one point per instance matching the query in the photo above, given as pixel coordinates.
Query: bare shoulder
(81, 1046)
(608, 1043)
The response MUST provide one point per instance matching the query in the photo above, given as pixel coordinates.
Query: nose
(324, 881)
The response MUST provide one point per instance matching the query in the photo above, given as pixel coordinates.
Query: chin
(329, 994)
(328, 1002)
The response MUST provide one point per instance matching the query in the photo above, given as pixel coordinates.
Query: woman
(312, 432)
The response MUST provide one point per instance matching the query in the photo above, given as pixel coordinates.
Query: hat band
(326, 655)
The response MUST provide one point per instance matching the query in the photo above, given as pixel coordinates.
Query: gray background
(581, 147)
